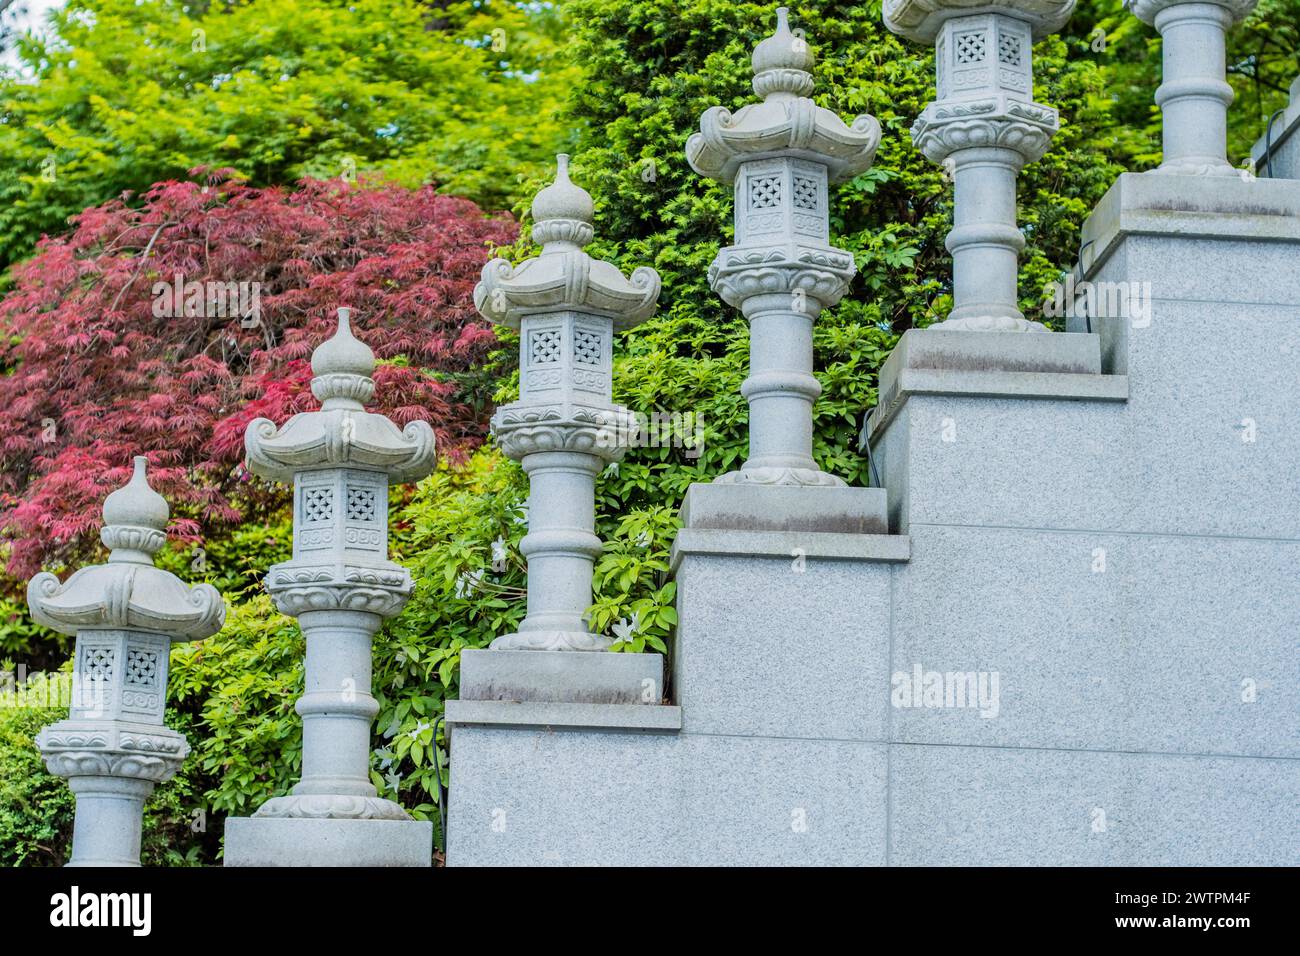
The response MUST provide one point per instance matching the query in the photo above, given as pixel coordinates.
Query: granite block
(549, 714)
(594, 677)
(789, 647)
(638, 800)
(1109, 642)
(284, 841)
(756, 507)
(975, 806)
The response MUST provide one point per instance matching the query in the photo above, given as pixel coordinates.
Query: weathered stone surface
(752, 507)
(1194, 96)
(700, 800)
(1143, 643)
(1183, 211)
(785, 122)
(984, 126)
(1102, 539)
(559, 677)
(789, 545)
(975, 806)
(274, 842)
(939, 360)
(553, 715)
(762, 640)
(781, 155)
(921, 20)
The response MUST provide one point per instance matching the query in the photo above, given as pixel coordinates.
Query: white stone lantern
(564, 429)
(781, 155)
(339, 585)
(984, 127)
(114, 748)
(1194, 95)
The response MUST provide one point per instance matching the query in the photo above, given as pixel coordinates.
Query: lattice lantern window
(564, 351)
(365, 516)
(781, 199)
(983, 56)
(340, 509)
(120, 675)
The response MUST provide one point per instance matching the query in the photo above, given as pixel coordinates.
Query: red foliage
(96, 377)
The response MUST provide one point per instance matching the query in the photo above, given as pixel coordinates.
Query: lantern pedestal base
(938, 361)
(755, 507)
(561, 676)
(274, 841)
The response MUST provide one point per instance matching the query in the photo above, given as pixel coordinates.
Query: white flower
(625, 631)
(467, 584)
(420, 727)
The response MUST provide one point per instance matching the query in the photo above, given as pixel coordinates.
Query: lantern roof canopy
(786, 123)
(341, 434)
(129, 591)
(922, 20)
(563, 277)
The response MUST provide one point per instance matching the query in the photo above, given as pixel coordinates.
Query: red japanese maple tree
(103, 362)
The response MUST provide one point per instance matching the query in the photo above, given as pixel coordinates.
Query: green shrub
(35, 806)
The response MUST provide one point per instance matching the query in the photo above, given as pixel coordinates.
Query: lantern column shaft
(780, 388)
(1193, 97)
(984, 242)
(561, 545)
(106, 830)
(337, 708)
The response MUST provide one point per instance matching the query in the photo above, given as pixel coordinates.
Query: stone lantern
(114, 748)
(565, 428)
(1194, 95)
(780, 156)
(984, 127)
(340, 586)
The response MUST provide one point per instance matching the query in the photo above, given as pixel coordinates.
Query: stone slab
(1150, 643)
(810, 545)
(281, 841)
(782, 646)
(1211, 272)
(1204, 445)
(996, 364)
(975, 806)
(1022, 385)
(753, 507)
(509, 713)
(1191, 207)
(960, 351)
(530, 798)
(594, 677)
